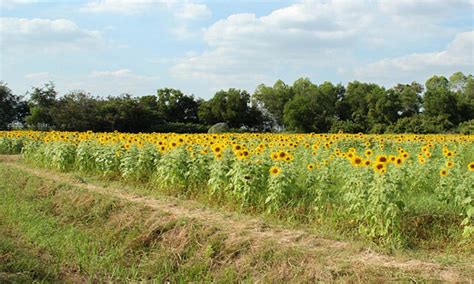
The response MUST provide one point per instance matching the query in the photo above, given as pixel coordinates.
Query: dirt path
(243, 227)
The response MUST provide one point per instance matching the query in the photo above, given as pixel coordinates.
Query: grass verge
(57, 232)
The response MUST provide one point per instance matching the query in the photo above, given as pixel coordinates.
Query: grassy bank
(56, 232)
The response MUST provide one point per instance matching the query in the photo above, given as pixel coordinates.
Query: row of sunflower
(371, 182)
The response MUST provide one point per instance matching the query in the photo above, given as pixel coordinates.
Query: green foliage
(12, 108)
(76, 111)
(11, 146)
(138, 164)
(176, 106)
(179, 127)
(466, 127)
(231, 106)
(273, 99)
(42, 103)
(171, 170)
(313, 108)
(346, 126)
(301, 107)
(422, 124)
(246, 182)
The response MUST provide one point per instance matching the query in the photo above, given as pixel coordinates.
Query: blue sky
(108, 47)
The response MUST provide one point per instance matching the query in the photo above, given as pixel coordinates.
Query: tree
(273, 100)
(463, 88)
(312, 108)
(123, 113)
(410, 98)
(358, 101)
(151, 114)
(12, 108)
(233, 107)
(457, 82)
(176, 106)
(421, 124)
(42, 102)
(76, 111)
(384, 109)
(439, 100)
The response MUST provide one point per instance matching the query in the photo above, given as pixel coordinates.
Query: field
(322, 198)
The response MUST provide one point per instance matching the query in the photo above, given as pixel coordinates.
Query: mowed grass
(55, 232)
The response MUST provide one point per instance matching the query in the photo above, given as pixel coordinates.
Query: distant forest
(441, 105)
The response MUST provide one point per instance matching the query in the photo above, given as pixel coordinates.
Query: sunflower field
(391, 189)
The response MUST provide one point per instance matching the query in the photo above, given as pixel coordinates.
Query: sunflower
(449, 164)
(368, 152)
(380, 167)
(275, 170)
(282, 155)
(310, 166)
(274, 156)
(356, 161)
(470, 167)
(443, 172)
(381, 159)
(217, 149)
(449, 154)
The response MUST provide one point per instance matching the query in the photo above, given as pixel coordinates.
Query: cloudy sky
(108, 47)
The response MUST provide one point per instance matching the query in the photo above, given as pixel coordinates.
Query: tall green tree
(439, 100)
(42, 102)
(233, 107)
(12, 108)
(273, 100)
(463, 88)
(360, 101)
(176, 106)
(123, 113)
(312, 109)
(410, 98)
(76, 111)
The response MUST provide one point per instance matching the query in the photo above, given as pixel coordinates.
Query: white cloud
(180, 9)
(184, 12)
(458, 56)
(423, 8)
(245, 49)
(46, 35)
(14, 3)
(121, 74)
(192, 11)
(117, 82)
(118, 6)
(324, 40)
(37, 76)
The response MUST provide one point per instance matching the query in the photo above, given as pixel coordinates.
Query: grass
(21, 262)
(55, 232)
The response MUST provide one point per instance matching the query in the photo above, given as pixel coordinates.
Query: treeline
(441, 105)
